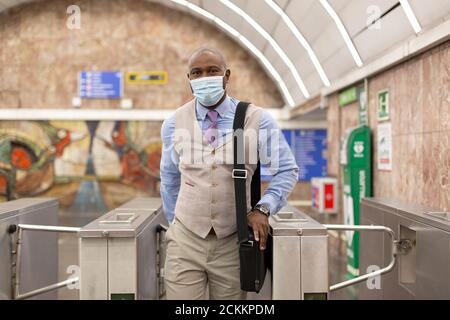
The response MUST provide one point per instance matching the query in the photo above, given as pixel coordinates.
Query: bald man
(197, 187)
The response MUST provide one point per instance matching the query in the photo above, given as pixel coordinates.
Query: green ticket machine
(356, 161)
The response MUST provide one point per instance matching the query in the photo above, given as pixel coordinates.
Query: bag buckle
(239, 174)
(248, 243)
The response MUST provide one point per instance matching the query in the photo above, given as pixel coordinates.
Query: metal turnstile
(300, 256)
(423, 269)
(28, 261)
(120, 253)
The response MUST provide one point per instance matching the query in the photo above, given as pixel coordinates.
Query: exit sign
(348, 96)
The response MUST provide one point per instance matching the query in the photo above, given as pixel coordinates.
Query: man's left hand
(260, 225)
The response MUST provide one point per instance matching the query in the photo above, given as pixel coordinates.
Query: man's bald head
(207, 62)
(207, 54)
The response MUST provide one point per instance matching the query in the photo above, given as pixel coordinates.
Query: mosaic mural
(90, 166)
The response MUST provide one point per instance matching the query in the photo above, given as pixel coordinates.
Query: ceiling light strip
(411, 16)
(249, 45)
(343, 31)
(312, 55)
(272, 42)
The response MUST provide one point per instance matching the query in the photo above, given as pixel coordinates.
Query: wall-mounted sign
(147, 77)
(384, 143)
(348, 96)
(309, 148)
(100, 85)
(383, 105)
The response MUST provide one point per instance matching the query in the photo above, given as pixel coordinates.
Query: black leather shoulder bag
(253, 261)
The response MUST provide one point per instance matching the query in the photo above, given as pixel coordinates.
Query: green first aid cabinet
(356, 162)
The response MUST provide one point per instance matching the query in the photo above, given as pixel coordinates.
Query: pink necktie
(211, 133)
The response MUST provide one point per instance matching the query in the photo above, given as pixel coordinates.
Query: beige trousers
(194, 265)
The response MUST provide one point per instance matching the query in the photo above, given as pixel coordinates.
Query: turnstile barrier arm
(394, 252)
(16, 274)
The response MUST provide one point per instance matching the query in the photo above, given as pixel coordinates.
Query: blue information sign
(100, 85)
(309, 148)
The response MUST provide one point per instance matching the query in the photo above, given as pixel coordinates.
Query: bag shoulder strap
(240, 174)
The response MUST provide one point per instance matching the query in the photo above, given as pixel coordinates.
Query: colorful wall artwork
(90, 166)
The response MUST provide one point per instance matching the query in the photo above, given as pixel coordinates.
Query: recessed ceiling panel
(358, 15)
(431, 11)
(394, 28)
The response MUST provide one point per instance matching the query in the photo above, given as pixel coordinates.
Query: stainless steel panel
(294, 221)
(143, 203)
(147, 249)
(433, 263)
(371, 251)
(314, 270)
(131, 245)
(286, 268)
(122, 259)
(26, 205)
(5, 253)
(424, 271)
(410, 211)
(300, 255)
(93, 268)
(98, 227)
(440, 215)
(39, 251)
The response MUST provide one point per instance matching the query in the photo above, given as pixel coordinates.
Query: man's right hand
(260, 225)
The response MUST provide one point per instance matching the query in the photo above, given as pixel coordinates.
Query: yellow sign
(147, 77)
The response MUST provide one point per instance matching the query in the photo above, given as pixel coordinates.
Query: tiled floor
(68, 256)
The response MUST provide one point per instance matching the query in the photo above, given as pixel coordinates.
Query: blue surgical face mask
(208, 90)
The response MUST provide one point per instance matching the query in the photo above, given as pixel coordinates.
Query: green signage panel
(357, 166)
(348, 96)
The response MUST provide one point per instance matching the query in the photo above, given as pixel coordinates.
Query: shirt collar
(221, 109)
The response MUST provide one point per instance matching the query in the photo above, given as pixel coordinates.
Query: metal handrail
(371, 274)
(37, 227)
(20, 229)
(47, 288)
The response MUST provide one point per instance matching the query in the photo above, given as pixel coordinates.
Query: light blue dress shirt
(273, 149)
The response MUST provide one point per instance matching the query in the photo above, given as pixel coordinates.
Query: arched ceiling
(306, 45)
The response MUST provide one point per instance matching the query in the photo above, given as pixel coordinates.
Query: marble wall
(420, 117)
(40, 57)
